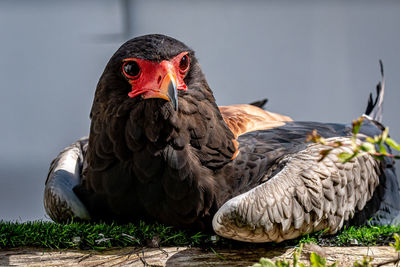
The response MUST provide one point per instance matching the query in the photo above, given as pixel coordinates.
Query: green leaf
(296, 255)
(370, 140)
(282, 263)
(317, 261)
(382, 149)
(345, 157)
(392, 143)
(379, 157)
(396, 244)
(385, 134)
(357, 124)
(366, 262)
(264, 262)
(368, 147)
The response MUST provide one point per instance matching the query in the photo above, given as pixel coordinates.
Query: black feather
(145, 159)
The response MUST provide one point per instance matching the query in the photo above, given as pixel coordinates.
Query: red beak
(157, 80)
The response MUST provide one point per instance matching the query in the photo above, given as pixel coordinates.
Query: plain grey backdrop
(313, 60)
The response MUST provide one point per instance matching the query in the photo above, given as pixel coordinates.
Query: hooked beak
(167, 90)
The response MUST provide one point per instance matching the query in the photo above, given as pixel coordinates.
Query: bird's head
(150, 67)
(153, 94)
(157, 79)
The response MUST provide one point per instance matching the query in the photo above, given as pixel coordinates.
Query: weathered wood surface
(181, 256)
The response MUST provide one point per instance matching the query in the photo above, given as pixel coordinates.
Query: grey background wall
(314, 60)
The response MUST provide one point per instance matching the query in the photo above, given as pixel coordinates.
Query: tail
(386, 199)
(260, 103)
(375, 108)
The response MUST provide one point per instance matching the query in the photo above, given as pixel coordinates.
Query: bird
(161, 149)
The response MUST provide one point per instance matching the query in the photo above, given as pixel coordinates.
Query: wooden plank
(182, 256)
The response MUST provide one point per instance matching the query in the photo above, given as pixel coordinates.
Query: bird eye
(184, 64)
(131, 69)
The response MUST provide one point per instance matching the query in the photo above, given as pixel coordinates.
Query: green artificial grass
(101, 236)
(93, 236)
(363, 236)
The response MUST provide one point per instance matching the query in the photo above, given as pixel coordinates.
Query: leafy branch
(315, 260)
(373, 146)
(319, 261)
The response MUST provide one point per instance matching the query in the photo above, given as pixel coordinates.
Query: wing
(299, 194)
(260, 150)
(303, 197)
(60, 201)
(242, 119)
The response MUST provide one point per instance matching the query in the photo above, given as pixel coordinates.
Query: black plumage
(143, 152)
(145, 159)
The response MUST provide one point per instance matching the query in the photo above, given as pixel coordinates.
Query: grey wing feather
(60, 201)
(307, 195)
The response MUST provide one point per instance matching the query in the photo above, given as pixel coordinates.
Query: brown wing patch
(242, 119)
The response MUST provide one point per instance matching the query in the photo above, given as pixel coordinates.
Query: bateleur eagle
(161, 149)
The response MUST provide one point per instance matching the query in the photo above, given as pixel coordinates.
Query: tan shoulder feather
(242, 119)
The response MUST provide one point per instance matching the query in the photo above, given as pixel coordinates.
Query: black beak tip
(173, 94)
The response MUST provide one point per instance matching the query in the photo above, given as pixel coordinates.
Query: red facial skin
(153, 78)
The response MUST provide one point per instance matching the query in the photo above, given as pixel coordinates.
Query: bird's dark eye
(184, 64)
(131, 69)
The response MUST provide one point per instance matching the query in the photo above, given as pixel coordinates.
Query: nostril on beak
(159, 79)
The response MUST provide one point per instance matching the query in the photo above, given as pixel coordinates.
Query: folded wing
(305, 196)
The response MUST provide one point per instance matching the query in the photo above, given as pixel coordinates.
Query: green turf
(92, 236)
(101, 236)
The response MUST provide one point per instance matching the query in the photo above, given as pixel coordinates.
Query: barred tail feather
(375, 106)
